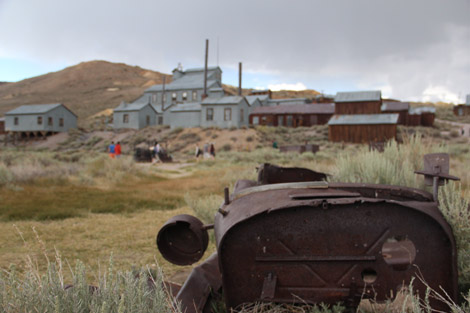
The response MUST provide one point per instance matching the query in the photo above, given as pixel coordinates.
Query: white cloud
(296, 87)
(439, 93)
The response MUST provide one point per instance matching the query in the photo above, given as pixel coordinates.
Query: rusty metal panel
(273, 174)
(318, 249)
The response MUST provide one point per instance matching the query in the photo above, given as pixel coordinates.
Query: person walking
(198, 152)
(117, 149)
(212, 150)
(156, 152)
(112, 150)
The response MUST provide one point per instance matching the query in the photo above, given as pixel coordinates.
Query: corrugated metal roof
(137, 105)
(223, 100)
(199, 69)
(421, 110)
(251, 99)
(187, 107)
(358, 96)
(33, 109)
(363, 119)
(395, 106)
(326, 108)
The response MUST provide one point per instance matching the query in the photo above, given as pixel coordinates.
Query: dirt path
(464, 126)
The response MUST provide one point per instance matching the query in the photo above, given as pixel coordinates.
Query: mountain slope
(86, 88)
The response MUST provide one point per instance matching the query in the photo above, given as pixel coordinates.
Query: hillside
(86, 88)
(281, 94)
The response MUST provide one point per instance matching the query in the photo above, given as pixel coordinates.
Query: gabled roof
(223, 100)
(395, 106)
(187, 107)
(327, 108)
(36, 109)
(252, 98)
(358, 96)
(201, 69)
(421, 110)
(363, 119)
(137, 105)
(190, 79)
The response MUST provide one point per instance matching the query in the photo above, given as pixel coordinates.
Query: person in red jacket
(117, 150)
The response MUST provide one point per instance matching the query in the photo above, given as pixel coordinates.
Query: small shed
(225, 112)
(428, 114)
(136, 115)
(362, 128)
(462, 109)
(293, 115)
(358, 102)
(396, 107)
(2, 125)
(40, 119)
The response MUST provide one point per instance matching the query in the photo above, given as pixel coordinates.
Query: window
(185, 96)
(39, 120)
(147, 120)
(194, 95)
(154, 98)
(209, 114)
(125, 118)
(280, 120)
(160, 120)
(16, 121)
(61, 122)
(173, 97)
(255, 120)
(164, 97)
(227, 114)
(242, 116)
(49, 121)
(289, 121)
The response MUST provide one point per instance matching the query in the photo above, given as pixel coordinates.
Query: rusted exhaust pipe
(240, 78)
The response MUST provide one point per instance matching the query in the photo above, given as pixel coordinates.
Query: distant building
(136, 115)
(40, 119)
(462, 109)
(362, 128)
(2, 125)
(225, 111)
(421, 116)
(290, 101)
(358, 102)
(401, 108)
(292, 115)
(258, 92)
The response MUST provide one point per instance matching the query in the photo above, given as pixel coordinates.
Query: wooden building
(292, 115)
(462, 109)
(39, 120)
(401, 108)
(2, 125)
(414, 118)
(358, 102)
(421, 116)
(362, 128)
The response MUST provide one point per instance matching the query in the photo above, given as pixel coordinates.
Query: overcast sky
(410, 49)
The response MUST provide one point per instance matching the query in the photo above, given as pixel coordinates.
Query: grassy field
(88, 207)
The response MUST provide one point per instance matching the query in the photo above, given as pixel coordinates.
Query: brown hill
(281, 94)
(86, 88)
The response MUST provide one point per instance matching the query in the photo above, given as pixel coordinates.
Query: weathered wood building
(39, 120)
(362, 128)
(461, 109)
(401, 108)
(358, 102)
(136, 115)
(292, 115)
(421, 116)
(2, 125)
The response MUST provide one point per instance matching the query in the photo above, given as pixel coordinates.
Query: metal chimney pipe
(204, 94)
(240, 78)
(163, 94)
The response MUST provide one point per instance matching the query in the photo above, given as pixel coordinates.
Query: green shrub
(226, 147)
(249, 138)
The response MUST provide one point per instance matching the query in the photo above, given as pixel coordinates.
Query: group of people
(114, 150)
(208, 151)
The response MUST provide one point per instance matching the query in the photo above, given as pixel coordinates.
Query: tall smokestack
(240, 78)
(204, 95)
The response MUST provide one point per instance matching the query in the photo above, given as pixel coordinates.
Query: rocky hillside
(86, 88)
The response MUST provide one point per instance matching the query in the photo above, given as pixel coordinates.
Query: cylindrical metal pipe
(226, 196)
(240, 78)
(205, 69)
(163, 94)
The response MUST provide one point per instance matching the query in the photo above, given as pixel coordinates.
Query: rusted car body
(311, 241)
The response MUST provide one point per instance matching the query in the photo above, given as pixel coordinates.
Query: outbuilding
(358, 102)
(401, 108)
(136, 115)
(2, 125)
(362, 128)
(224, 112)
(40, 120)
(293, 115)
(462, 109)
